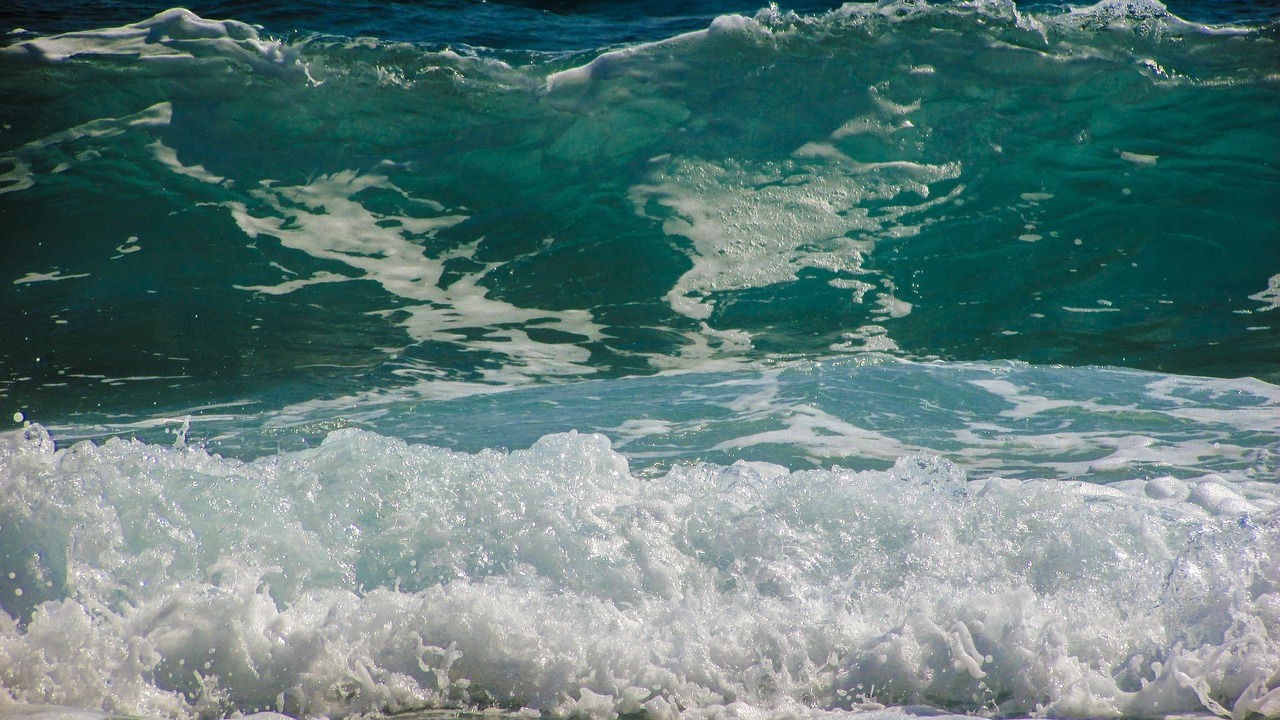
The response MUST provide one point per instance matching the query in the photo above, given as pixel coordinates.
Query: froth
(753, 227)
(173, 36)
(327, 220)
(372, 575)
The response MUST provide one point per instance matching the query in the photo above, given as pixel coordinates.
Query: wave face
(257, 216)
(674, 361)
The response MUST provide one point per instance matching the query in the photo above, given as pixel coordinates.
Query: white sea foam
(1270, 297)
(1138, 159)
(372, 575)
(175, 36)
(168, 157)
(326, 220)
(757, 226)
(54, 276)
(1147, 17)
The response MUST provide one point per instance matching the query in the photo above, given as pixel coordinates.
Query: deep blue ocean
(655, 360)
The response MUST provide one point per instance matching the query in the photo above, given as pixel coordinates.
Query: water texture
(668, 360)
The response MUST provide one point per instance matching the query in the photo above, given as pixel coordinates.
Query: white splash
(372, 575)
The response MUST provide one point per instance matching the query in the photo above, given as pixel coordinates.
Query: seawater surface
(674, 360)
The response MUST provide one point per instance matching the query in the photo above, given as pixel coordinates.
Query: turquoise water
(689, 359)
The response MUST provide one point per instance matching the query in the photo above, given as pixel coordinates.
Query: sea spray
(369, 574)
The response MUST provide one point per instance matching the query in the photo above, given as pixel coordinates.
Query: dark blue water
(678, 359)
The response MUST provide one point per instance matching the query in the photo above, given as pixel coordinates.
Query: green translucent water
(968, 184)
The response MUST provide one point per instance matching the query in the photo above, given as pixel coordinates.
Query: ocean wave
(368, 574)
(842, 364)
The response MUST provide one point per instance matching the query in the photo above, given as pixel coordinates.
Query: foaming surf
(879, 361)
(368, 574)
